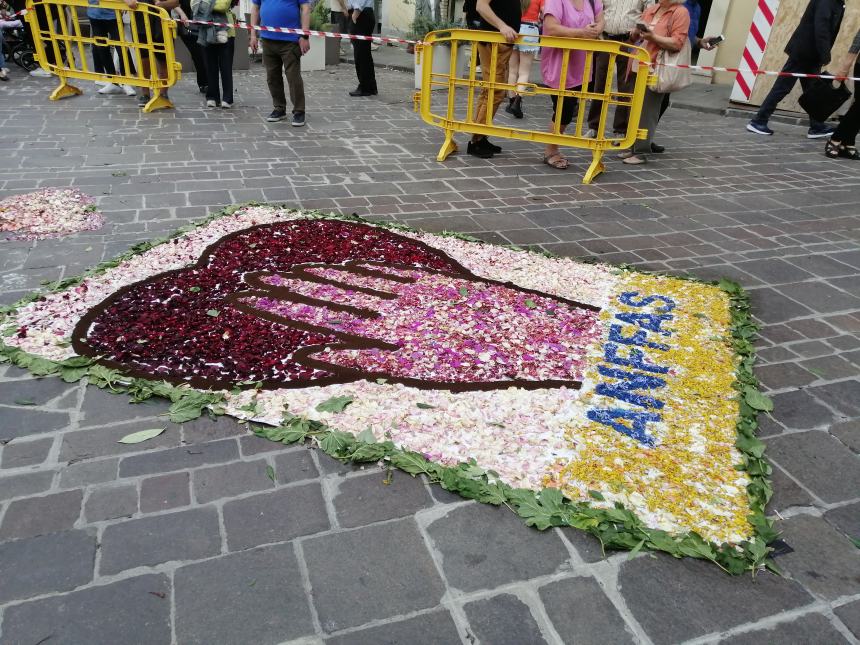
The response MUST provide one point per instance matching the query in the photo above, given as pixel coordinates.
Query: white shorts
(530, 42)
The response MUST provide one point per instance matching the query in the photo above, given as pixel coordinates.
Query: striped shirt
(622, 15)
(855, 45)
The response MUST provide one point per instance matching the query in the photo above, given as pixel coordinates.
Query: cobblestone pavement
(184, 539)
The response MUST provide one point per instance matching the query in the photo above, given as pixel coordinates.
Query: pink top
(568, 16)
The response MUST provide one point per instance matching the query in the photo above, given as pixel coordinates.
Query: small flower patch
(52, 212)
(578, 394)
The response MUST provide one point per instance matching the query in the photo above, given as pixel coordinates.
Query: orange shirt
(673, 23)
(532, 14)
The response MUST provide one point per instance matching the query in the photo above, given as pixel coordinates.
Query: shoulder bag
(669, 77)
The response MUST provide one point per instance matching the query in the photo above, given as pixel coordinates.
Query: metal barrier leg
(63, 90)
(158, 102)
(449, 146)
(595, 168)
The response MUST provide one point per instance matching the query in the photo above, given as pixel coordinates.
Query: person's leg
(626, 83)
(210, 56)
(364, 54)
(601, 71)
(357, 50)
(273, 63)
(513, 70)
(499, 74)
(781, 88)
(196, 51)
(225, 62)
(650, 118)
(569, 105)
(664, 106)
(100, 52)
(292, 59)
(805, 83)
(525, 69)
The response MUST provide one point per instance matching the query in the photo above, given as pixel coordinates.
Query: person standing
(363, 22)
(502, 16)
(808, 52)
(568, 19)
(283, 52)
(668, 23)
(188, 35)
(843, 142)
(520, 65)
(217, 44)
(620, 18)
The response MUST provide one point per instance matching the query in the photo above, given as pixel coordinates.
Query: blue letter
(638, 338)
(638, 422)
(623, 391)
(636, 360)
(627, 299)
(651, 322)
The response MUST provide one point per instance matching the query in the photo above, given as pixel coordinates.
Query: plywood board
(787, 19)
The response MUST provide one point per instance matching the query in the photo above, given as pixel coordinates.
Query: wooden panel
(787, 19)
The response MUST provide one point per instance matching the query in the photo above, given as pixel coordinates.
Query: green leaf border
(615, 528)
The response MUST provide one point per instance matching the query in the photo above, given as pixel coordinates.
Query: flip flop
(560, 162)
(633, 160)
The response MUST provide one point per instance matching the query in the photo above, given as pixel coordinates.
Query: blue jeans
(2, 59)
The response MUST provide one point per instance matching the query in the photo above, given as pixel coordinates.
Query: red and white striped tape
(760, 29)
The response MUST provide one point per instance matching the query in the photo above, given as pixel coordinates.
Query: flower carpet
(577, 394)
(52, 212)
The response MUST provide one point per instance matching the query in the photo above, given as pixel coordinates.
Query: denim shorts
(530, 42)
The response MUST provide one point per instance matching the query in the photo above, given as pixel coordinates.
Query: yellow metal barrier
(453, 118)
(56, 29)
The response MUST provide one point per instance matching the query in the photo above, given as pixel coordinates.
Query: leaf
(335, 442)
(194, 289)
(190, 406)
(24, 402)
(410, 462)
(751, 446)
(756, 400)
(141, 435)
(530, 509)
(425, 406)
(72, 374)
(212, 312)
(464, 291)
(530, 303)
(636, 549)
(270, 473)
(366, 436)
(855, 542)
(335, 404)
(594, 494)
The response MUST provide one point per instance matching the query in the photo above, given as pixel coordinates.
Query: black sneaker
(657, 149)
(496, 149)
(298, 119)
(277, 115)
(820, 132)
(481, 148)
(759, 128)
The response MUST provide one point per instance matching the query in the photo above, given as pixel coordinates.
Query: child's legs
(524, 70)
(512, 68)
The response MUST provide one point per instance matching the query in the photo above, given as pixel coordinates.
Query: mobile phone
(716, 40)
(641, 26)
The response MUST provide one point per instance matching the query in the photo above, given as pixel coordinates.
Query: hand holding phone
(716, 40)
(641, 26)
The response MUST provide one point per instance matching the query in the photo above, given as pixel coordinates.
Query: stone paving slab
(186, 539)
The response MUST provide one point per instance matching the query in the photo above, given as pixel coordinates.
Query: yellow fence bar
(58, 32)
(449, 114)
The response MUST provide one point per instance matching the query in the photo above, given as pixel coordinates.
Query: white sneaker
(226, 106)
(211, 104)
(111, 88)
(41, 73)
(129, 90)
(591, 134)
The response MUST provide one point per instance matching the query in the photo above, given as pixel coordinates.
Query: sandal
(834, 150)
(634, 160)
(556, 161)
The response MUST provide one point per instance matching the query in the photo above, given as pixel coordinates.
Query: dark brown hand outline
(372, 310)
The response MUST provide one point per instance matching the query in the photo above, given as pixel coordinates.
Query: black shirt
(509, 12)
